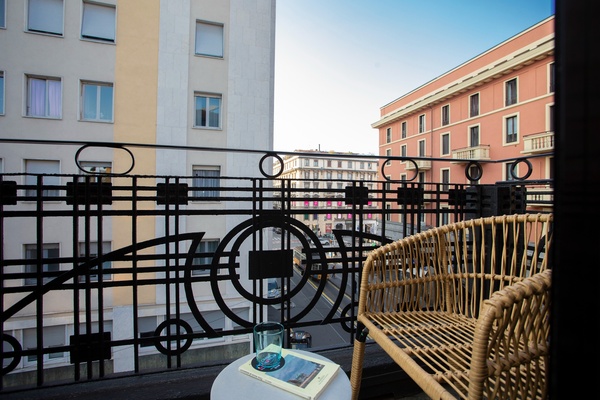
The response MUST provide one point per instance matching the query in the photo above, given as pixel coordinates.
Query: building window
(216, 318)
(90, 253)
(511, 92)
(206, 182)
(445, 147)
(54, 336)
(421, 148)
(2, 13)
(388, 135)
(445, 179)
(474, 174)
(403, 150)
(474, 136)
(39, 167)
(551, 75)
(403, 130)
(446, 114)
(511, 173)
(45, 16)
(350, 164)
(339, 164)
(1, 90)
(328, 163)
(474, 105)
(49, 260)
(44, 97)
(209, 39)
(95, 170)
(421, 123)
(204, 256)
(208, 111)
(388, 153)
(146, 328)
(550, 118)
(315, 163)
(97, 101)
(511, 129)
(98, 22)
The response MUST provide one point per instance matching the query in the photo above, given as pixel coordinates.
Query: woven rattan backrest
(456, 266)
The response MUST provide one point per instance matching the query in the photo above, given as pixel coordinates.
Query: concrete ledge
(381, 376)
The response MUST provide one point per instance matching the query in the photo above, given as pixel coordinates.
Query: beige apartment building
(312, 170)
(496, 106)
(156, 72)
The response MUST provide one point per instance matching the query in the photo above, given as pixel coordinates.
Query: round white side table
(233, 384)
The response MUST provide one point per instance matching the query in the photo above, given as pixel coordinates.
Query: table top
(233, 384)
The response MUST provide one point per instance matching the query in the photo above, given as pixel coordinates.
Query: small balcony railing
(540, 196)
(421, 165)
(481, 152)
(538, 143)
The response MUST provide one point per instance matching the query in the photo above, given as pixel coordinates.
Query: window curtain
(37, 97)
(44, 98)
(54, 99)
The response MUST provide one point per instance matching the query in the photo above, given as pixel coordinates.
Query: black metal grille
(132, 283)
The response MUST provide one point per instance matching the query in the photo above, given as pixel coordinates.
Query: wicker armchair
(463, 308)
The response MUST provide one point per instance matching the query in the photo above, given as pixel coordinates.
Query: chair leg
(357, 362)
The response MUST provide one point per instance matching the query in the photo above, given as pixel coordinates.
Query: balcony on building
(466, 154)
(538, 143)
(422, 165)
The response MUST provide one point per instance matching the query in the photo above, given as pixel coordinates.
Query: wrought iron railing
(104, 273)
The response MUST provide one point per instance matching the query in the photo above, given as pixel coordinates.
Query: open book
(300, 374)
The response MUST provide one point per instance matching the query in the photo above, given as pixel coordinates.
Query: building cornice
(525, 56)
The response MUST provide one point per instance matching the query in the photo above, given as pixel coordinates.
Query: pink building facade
(494, 108)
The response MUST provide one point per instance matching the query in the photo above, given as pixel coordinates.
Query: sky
(337, 62)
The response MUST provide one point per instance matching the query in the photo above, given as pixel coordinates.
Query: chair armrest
(511, 341)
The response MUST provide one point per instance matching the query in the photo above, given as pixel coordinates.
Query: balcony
(540, 196)
(113, 283)
(538, 143)
(467, 154)
(421, 165)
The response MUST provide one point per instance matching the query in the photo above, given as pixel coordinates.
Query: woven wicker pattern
(464, 308)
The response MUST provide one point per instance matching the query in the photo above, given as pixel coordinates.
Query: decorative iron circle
(513, 166)
(346, 314)
(109, 145)
(179, 323)
(264, 158)
(478, 168)
(17, 349)
(231, 244)
(389, 160)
